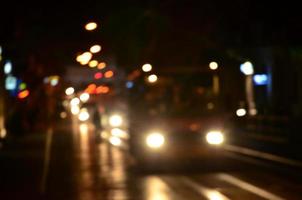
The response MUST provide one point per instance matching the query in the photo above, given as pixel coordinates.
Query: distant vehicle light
(115, 141)
(84, 97)
(147, 67)
(241, 112)
(101, 65)
(215, 137)
(75, 110)
(155, 140)
(10, 83)
(75, 101)
(129, 84)
(109, 74)
(115, 120)
(93, 63)
(98, 75)
(84, 115)
(152, 78)
(91, 26)
(119, 133)
(95, 49)
(69, 91)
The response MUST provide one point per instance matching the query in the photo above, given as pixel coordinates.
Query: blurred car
(175, 121)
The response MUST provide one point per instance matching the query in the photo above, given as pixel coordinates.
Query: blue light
(129, 84)
(260, 79)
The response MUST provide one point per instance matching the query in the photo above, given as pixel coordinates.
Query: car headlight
(215, 137)
(155, 140)
(83, 115)
(115, 120)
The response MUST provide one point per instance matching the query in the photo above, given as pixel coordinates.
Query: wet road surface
(67, 163)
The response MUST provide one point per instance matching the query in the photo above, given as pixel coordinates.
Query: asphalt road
(67, 163)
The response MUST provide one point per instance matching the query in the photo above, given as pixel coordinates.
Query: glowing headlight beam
(215, 137)
(115, 120)
(155, 140)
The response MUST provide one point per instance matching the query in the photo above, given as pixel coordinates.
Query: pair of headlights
(156, 140)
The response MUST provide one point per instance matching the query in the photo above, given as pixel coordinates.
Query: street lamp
(247, 69)
(214, 66)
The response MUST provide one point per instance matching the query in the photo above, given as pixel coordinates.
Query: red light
(23, 94)
(109, 74)
(98, 75)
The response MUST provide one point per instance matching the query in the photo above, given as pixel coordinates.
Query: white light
(75, 110)
(115, 120)
(155, 140)
(95, 49)
(152, 78)
(84, 115)
(213, 65)
(215, 137)
(247, 68)
(8, 67)
(119, 133)
(241, 112)
(75, 101)
(91, 26)
(115, 141)
(69, 91)
(147, 67)
(84, 97)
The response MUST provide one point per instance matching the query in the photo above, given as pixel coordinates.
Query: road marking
(249, 187)
(47, 155)
(263, 155)
(209, 193)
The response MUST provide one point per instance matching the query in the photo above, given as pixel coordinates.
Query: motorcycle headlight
(115, 120)
(215, 137)
(155, 140)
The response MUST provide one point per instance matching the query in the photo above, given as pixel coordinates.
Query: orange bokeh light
(109, 74)
(23, 94)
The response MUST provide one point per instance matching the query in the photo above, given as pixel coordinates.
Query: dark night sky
(134, 31)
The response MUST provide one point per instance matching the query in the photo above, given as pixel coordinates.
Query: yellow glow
(84, 115)
(241, 112)
(69, 91)
(215, 137)
(84, 129)
(63, 115)
(85, 58)
(75, 101)
(75, 110)
(101, 65)
(147, 67)
(157, 189)
(84, 97)
(91, 26)
(155, 140)
(214, 195)
(3, 133)
(152, 78)
(93, 63)
(115, 141)
(115, 120)
(95, 48)
(213, 65)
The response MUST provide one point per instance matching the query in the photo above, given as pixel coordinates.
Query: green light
(22, 86)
